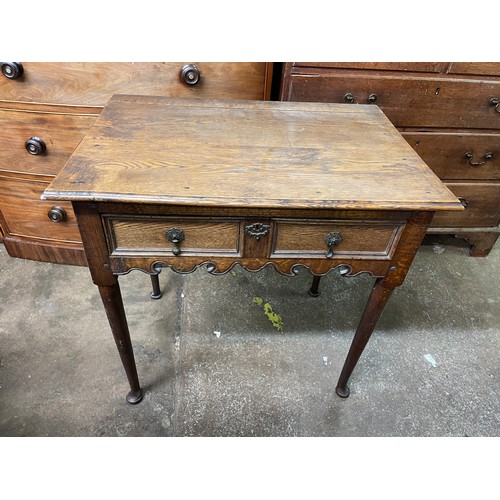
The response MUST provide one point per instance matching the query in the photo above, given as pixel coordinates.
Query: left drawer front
(57, 133)
(407, 102)
(309, 239)
(128, 235)
(27, 216)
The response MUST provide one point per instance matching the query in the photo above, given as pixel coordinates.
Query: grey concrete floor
(212, 363)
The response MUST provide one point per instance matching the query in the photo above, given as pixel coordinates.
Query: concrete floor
(212, 363)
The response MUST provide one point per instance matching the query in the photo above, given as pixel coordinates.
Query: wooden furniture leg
(482, 243)
(113, 304)
(380, 293)
(94, 241)
(314, 290)
(155, 281)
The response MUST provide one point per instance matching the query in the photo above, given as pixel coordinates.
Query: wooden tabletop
(231, 153)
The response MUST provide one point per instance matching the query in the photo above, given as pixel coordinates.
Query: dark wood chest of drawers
(45, 111)
(448, 112)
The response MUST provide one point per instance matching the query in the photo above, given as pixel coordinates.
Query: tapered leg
(113, 304)
(155, 281)
(376, 302)
(314, 290)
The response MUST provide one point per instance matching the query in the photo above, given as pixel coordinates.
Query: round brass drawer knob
(35, 146)
(57, 214)
(12, 70)
(190, 74)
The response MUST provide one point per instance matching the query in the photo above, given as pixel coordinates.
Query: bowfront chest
(45, 111)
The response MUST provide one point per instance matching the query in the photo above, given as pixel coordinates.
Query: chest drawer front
(26, 215)
(358, 239)
(92, 83)
(57, 133)
(138, 235)
(459, 156)
(475, 68)
(410, 101)
(425, 67)
(482, 201)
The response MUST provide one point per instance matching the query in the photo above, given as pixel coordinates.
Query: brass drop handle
(175, 236)
(190, 74)
(57, 214)
(12, 70)
(35, 146)
(332, 240)
(487, 156)
(495, 101)
(464, 202)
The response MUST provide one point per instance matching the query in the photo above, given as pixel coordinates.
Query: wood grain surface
(408, 101)
(60, 131)
(253, 154)
(93, 83)
(445, 152)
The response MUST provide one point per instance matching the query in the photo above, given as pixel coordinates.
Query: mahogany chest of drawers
(448, 112)
(45, 111)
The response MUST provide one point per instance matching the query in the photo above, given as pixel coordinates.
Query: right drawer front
(92, 83)
(458, 156)
(407, 101)
(59, 132)
(308, 239)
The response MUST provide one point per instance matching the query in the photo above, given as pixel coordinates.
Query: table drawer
(354, 239)
(482, 201)
(407, 101)
(26, 215)
(138, 235)
(57, 133)
(93, 83)
(459, 156)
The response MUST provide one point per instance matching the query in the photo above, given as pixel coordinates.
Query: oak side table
(181, 183)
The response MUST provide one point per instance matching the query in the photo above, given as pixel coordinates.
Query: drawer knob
(464, 202)
(469, 156)
(57, 214)
(190, 74)
(12, 70)
(495, 101)
(257, 230)
(332, 240)
(372, 98)
(349, 97)
(35, 146)
(175, 236)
